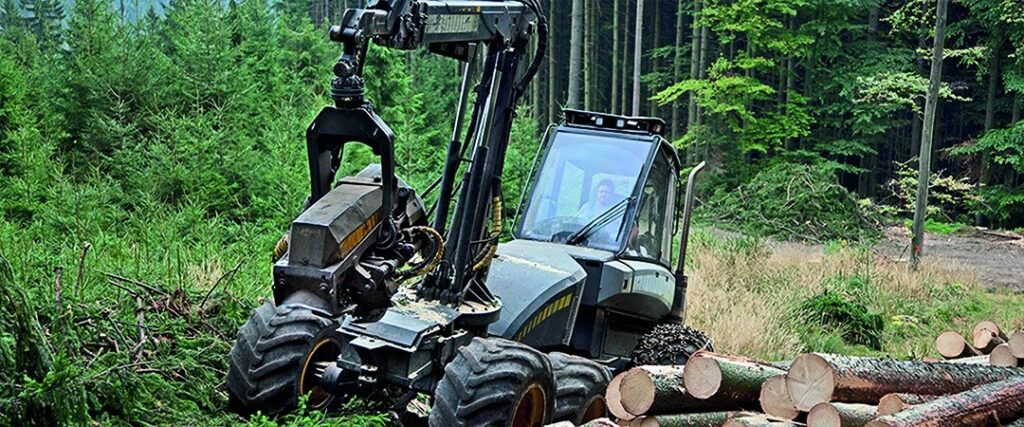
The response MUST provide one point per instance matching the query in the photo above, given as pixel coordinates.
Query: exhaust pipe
(678, 313)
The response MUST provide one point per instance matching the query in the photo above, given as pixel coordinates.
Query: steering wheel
(559, 227)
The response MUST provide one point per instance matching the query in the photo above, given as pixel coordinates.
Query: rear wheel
(495, 382)
(580, 385)
(275, 357)
(670, 344)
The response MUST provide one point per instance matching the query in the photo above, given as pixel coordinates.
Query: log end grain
(824, 415)
(1002, 356)
(1016, 344)
(810, 381)
(613, 398)
(775, 399)
(951, 344)
(891, 404)
(637, 391)
(702, 377)
(986, 325)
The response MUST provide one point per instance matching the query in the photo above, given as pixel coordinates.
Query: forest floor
(997, 258)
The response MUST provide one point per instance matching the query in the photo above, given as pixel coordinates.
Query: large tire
(580, 384)
(269, 356)
(670, 344)
(495, 382)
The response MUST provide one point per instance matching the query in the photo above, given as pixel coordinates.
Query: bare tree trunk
(691, 114)
(552, 74)
(588, 54)
(1016, 109)
(638, 55)
(626, 55)
(677, 68)
(616, 63)
(925, 162)
(990, 118)
(576, 55)
(652, 107)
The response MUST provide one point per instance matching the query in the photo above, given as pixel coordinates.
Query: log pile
(980, 382)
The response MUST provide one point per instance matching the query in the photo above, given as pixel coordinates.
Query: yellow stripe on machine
(548, 311)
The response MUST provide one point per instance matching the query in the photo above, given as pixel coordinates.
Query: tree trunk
(652, 107)
(775, 399)
(638, 55)
(757, 421)
(925, 162)
(576, 55)
(626, 55)
(840, 415)
(718, 377)
(952, 345)
(988, 404)
(895, 402)
(588, 54)
(1015, 116)
(702, 419)
(616, 64)
(613, 397)
(677, 68)
(792, 143)
(552, 54)
(695, 48)
(652, 390)
(815, 378)
(990, 118)
(1002, 356)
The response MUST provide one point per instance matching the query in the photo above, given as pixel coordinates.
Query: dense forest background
(152, 153)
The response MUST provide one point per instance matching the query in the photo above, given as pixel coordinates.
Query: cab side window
(651, 236)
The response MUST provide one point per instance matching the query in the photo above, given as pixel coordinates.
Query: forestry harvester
(375, 297)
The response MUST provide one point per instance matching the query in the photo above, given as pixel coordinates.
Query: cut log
(987, 404)
(815, 378)
(757, 421)
(654, 390)
(613, 398)
(952, 345)
(1002, 356)
(840, 415)
(895, 402)
(703, 419)
(980, 359)
(990, 325)
(734, 379)
(775, 399)
(986, 340)
(600, 422)
(1016, 343)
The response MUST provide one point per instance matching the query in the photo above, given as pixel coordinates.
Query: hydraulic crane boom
(457, 29)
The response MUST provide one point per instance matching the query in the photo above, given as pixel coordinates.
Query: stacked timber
(978, 382)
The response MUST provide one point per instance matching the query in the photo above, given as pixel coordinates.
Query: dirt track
(997, 258)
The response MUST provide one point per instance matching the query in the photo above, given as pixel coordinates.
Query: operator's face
(604, 195)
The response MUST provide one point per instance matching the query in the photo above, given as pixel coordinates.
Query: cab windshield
(585, 182)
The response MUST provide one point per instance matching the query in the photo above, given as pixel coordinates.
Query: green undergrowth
(939, 227)
(843, 299)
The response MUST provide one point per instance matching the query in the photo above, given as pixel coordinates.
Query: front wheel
(495, 382)
(581, 384)
(275, 357)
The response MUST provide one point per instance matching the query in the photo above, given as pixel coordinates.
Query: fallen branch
(229, 274)
(140, 327)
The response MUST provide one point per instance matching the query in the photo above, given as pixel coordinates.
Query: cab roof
(612, 122)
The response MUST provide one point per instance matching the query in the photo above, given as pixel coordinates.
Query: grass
(939, 227)
(768, 301)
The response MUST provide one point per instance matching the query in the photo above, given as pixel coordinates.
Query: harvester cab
(375, 295)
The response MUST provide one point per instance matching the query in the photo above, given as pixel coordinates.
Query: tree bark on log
(986, 340)
(653, 390)
(973, 360)
(1016, 343)
(895, 402)
(757, 421)
(702, 419)
(988, 404)
(952, 345)
(775, 399)
(1002, 356)
(840, 415)
(613, 398)
(735, 379)
(815, 378)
